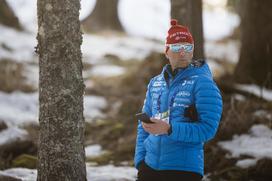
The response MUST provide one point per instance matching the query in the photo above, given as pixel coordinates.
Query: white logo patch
(184, 93)
(158, 84)
(179, 105)
(190, 82)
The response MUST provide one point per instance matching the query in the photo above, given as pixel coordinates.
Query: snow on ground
(20, 45)
(215, 3)
(18, 108)
(93, 150)
(105, 71)
(93, 106)
(12, 134)
(111, 173)
(21, 173)
(126, 48)
(101, 173)
(263, 114)
(227, 51)
(217, 22)
(245, 163)
(258, 144)
(256, 90)
(26, 11)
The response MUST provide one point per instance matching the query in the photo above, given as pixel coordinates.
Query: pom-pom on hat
(178, 34)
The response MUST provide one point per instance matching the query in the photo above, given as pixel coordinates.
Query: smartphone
(144, 118)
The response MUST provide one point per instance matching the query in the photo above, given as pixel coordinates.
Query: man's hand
(159, 127)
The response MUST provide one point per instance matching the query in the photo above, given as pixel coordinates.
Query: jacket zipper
(168, 85)
(159, 157)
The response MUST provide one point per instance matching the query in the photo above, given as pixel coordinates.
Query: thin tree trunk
(61, 154)
(189, 13)
(255, 63)
(104, 17)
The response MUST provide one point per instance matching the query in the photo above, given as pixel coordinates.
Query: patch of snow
(93, 106)
(107, 70)
(246, 163)
(12, 134)
(99, 173)
(93, 150)
(111, 173)
(227, 51)
(126, 48)
(21, 45)
(18, 108)
(218, 23)
(239, 97)
(256, 90)
(215, 3)
(21, 173)
(263, 114)
(258, 144)
(26, 11)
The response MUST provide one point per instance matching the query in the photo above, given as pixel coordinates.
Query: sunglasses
(178, 47)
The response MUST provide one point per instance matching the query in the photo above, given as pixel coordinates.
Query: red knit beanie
(178, 34)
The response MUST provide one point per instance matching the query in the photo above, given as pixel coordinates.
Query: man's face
(180, 53)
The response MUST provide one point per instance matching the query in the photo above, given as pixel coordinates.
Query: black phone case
(144, 118)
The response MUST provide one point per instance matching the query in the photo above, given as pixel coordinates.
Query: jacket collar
(196, 67)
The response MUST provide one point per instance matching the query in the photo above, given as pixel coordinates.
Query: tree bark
(255, 63)
(104, 17)
(7, 17)
(189, 13)
(61, 154)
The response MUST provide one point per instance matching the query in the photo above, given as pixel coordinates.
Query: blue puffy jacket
(183, 148)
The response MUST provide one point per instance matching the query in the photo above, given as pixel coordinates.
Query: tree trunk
(104, 17)
(7, 17)
(61, 154)
(189, 13)
(255, 63)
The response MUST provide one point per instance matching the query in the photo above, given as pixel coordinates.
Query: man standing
(186, 106)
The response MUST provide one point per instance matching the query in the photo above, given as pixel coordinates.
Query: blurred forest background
(122, 49)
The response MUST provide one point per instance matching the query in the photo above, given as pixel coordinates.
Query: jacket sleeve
(141, 133)
(209, 104)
